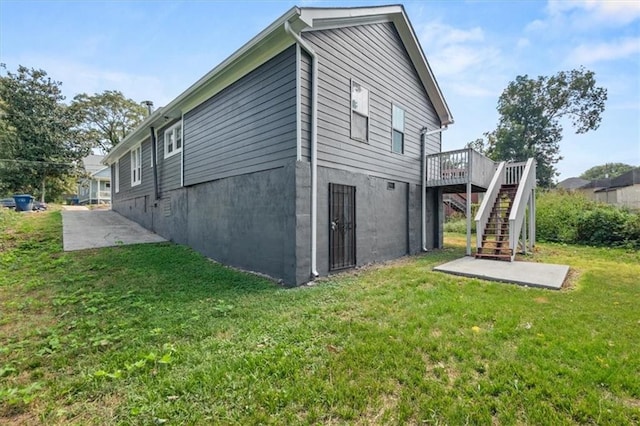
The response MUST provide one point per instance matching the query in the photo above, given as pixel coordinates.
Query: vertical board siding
(249, 126)
(374, 56)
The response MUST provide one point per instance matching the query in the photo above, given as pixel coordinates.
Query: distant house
(94, 187)
(573, 183)
(621, 191)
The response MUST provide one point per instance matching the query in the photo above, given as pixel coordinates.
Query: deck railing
(522, 174)
(513, 173)
(459, 167)
(523, 198)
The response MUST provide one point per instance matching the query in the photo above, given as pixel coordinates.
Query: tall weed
(572, 218)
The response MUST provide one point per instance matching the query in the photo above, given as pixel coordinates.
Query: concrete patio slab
(86, 229)
(529, 274)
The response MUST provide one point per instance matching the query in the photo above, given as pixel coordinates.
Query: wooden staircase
(495, 239)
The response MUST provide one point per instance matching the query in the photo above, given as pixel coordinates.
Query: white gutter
(314, 145)
(423, 134)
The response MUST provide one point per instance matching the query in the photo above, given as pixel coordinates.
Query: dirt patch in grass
(631, 402)
(571, 281)
(16, 416)
(376, 413)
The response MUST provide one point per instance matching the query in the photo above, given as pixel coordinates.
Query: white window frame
(173, 133)
(136, 165)
(398, 127)
(116, 176)
(358, 109)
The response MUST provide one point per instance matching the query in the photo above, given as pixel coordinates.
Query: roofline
(301, 19)
(158, 114)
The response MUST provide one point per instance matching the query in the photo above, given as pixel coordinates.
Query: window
(136, 166)
(173, 140)
(397, 132)
(116, 176)
(359, 112)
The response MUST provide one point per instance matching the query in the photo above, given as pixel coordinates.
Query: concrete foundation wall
(388, 221)
(246, 221)
(262, 221)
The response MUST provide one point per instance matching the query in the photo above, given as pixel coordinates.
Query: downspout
(154, 150)
(154, 153)
(423, 134)
(314, 145)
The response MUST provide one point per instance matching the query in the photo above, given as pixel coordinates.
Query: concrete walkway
(86, 229)
(529, 274)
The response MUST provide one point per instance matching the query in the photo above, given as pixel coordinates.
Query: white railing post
(519, 206)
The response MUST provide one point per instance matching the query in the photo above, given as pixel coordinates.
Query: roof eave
(307, 19)
(173, 110)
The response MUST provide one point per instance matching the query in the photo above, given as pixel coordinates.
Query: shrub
(558, 214)
(603, 225)
(572, 218)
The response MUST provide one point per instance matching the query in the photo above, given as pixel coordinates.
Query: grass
(157, 334)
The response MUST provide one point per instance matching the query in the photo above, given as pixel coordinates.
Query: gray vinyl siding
(305, 91)
(169, 169)
(250, 126)
(146, 185)
(374, 56)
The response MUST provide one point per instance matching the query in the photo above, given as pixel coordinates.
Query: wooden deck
(454, 170)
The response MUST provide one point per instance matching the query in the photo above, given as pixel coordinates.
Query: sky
(154, 50)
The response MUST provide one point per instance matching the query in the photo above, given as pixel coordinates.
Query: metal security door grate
(342, 226)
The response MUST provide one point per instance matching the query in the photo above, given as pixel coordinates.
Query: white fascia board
(273, 40)
(412, 44)
(264, 46)
(324, 18)
(211, 83)
(134, 137)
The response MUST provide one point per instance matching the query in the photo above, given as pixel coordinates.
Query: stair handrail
(519, 206)
(484, 211)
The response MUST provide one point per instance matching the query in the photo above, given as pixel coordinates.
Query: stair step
(494, 243)
(505, 257)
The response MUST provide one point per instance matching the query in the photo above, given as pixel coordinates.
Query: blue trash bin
(24, 202)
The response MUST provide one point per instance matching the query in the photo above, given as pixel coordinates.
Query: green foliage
(571, 218)
(531, 111)
(157, 334)
(107, 117)
(608, 170)
(38, 144)
(457, 222)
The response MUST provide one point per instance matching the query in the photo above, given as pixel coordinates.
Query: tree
(531, 111)
(37, 140)
(608, 170)
(107, 117)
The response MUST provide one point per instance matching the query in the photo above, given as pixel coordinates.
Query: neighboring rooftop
(93, 163)
(632, 177)
(573, 183)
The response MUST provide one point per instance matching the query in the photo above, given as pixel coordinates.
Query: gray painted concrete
(246, 221)
(101, 228)
(529, 274)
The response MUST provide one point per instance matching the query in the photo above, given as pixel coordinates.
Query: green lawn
(158, 334)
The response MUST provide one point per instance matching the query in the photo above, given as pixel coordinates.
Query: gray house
(301, 154)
